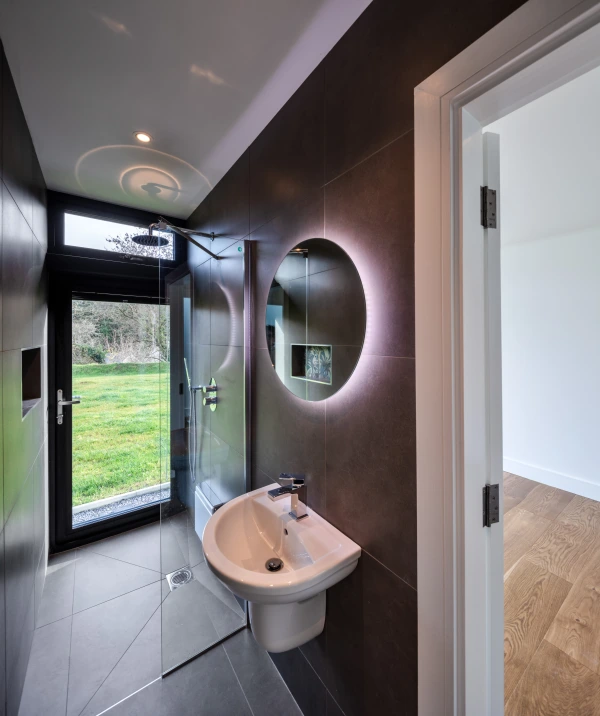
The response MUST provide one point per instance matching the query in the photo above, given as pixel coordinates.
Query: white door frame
(532, 32)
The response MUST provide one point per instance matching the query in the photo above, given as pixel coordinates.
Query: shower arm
(163, 224)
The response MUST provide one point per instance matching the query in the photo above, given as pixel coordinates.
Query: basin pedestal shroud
(281, 627)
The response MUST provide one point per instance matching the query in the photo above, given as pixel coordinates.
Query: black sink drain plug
(274, 564)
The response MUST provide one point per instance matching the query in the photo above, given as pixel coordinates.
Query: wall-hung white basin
(287, 607)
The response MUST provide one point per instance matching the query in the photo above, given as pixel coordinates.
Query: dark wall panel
(371, 73)
(338, 162)
(23, 319)
(17, 147)
(17, 262)
(286, 159)
(230, 207)
(370, 212)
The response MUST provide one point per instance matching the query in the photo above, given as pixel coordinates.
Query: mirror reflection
(315, 319)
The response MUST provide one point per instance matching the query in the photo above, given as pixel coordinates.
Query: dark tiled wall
(218, 352)
(337, 162)
(23, 316)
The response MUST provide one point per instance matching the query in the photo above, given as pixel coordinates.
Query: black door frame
(88, 272)
(62, 534)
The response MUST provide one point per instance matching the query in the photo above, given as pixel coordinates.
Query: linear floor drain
(179, 578)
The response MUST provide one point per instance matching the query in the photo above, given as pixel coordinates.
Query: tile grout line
(70, 638)
(25, 219)
(29, 473)
(123, 561)
(237, 679)
(319, 677)
(81, 611)
(122, 656)
(281, 677)
(391, 571)
(370, 156)
(112, 599)
(221, 602)
(110, 708)
(327, 182)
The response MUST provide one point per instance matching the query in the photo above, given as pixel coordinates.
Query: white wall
(550, 214)
(551, 360)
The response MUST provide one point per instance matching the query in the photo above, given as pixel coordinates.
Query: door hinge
(491, 505)
(488, 207)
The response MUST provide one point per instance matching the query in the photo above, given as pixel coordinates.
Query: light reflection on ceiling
(144, 177)
(207, 74)
(113, 25)
(203, 78)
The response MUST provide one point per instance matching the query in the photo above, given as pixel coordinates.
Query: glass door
(118, 348)
(110, 355)
(204, 449)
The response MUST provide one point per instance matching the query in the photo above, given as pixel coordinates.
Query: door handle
(60, 402)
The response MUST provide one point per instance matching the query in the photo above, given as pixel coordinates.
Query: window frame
(61, 204)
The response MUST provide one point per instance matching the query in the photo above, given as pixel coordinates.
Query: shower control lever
(60, 403)
(210, 391)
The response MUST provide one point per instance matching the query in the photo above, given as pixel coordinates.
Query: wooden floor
(551, 601)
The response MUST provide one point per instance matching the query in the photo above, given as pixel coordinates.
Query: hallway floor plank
(551, 601)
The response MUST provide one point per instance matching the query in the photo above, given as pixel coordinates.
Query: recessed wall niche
(31, 378)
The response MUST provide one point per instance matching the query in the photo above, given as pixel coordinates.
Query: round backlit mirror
(316, 319)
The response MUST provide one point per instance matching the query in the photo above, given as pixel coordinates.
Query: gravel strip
(116, 508)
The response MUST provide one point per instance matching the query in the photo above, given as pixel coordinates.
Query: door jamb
(531, 32)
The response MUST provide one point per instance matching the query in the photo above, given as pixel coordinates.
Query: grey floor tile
(99, 578)
(226, 617)
(18, 659)
(265, 690)
(57, 596)
(140, 547)
(45, 690)
(187, 628)
(174, 543)
(140, 665)
(195, 543)
(213, 584)
(101, 636)
(146, 702)
(206, 686)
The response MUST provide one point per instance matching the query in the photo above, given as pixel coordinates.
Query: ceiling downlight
(143, 137)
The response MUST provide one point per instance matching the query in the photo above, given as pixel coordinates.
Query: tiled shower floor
(97, 645)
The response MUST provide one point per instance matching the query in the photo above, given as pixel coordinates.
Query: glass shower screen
(202, 445)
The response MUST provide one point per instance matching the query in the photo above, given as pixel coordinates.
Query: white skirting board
(576, 485)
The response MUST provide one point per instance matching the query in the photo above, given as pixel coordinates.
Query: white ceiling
(549, 163)
(203, 77)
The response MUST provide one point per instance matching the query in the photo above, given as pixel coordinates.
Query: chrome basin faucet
(295, 486)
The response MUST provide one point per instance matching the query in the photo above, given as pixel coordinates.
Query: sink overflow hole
(285, 532)
(274, 564)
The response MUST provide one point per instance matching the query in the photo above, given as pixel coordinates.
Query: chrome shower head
(150, 240)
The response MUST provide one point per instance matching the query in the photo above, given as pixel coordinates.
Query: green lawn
(117, 428)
